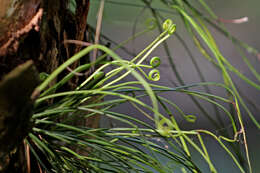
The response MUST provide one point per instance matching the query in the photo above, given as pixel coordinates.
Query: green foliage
(136, 147)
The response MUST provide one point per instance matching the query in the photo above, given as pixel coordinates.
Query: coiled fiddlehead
(150, 23)
(169, 26)
(155, 61)
(154, 75)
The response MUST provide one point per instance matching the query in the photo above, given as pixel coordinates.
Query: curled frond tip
(169, 26)
(155, 61)
(154, 75)
(151, 23)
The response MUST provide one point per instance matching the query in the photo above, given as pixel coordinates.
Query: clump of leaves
(55, 142)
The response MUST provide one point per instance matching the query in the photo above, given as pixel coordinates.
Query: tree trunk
(35, 30)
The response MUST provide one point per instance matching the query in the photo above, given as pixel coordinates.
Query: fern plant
(162, 145)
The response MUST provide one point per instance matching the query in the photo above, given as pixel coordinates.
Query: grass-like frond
(162, 145)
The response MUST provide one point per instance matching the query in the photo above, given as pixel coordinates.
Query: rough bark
(15, 109)
(35, 30)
